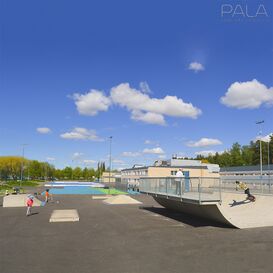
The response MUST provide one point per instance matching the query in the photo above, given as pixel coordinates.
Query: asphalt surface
(127, 239)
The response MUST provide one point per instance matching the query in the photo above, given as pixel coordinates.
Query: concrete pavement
(127, 239)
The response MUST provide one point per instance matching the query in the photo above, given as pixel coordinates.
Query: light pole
(22, 164)
(260, 138)
(110, 161)
(261, 155)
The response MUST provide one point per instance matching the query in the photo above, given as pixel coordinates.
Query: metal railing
(203, 189)
(200, 189)
(256, 184)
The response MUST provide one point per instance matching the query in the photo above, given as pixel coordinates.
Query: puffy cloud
(196, 67)
(144, 87)
(50, 159)
(203, 142)
(206, 153)
(140, 103)
(81, 134)
(156, 150)
(247, 95)
(265, 138)
(77, 155)
(91, 103)
(131, 154)
(89, 161)
(148, 117)
(43, 130)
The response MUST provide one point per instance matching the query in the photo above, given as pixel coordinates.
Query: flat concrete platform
(143, 238)
(64, 215)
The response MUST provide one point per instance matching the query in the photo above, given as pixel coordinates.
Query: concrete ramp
(234, 210)
(18, 200)
(121, 200)
(242, 213)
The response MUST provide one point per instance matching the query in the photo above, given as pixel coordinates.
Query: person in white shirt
(179, 180)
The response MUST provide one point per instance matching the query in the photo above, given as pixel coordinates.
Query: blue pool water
(75, 190)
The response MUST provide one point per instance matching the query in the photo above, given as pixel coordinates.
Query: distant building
(246, 170)
(168, 168)
(110, 178)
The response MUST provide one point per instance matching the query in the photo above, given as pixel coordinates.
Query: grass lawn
(11, 184)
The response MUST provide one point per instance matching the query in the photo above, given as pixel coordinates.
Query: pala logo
(243, 11)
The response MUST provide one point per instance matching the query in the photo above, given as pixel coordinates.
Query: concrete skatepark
(144, 238)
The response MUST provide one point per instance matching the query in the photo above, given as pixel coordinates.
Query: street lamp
(22, 164)
(110, 161)
(260, 138)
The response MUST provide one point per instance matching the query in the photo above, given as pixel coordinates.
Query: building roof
(255, 168)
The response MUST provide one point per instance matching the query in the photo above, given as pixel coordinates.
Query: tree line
(15, 168)
(242, 155)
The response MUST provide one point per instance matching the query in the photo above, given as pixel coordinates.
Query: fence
(201, 189)
(256, 184)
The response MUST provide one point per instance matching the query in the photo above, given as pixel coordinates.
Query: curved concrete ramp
(18, 200)
(234, 210)
(245, 214)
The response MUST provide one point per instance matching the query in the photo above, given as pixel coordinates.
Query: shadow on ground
(184, 218)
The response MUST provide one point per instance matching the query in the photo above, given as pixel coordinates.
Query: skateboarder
(244, 187)
(47, 195)
(29, 204)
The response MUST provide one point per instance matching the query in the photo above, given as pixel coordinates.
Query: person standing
(47, 195)
(179, 180)
(29, 204)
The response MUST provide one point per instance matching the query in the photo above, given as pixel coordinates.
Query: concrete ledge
(19, 200)
(65, 215)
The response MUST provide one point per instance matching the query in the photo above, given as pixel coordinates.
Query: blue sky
(149, 73)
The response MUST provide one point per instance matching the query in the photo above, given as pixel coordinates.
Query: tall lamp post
(260, 138)
(22, 164)
(261, 155)
(110, 160)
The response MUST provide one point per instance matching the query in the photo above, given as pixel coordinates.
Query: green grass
(112, 191)
(23, 184)
(11, 184)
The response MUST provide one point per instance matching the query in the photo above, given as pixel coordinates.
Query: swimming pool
(75, 190)
(74, 184)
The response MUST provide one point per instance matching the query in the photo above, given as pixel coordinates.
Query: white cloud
(91, 103)
(247, 95)
(50, 159)
(265, 138)
(118, 161)
(206, 153)
(81, 134)
(43, 130)
(148, 117)
(77, 155)
(156, 150)
(151, 142)
(162, 156)
(89, 161)
(196, 67)
(131, 154)
(144, 87)
(138, 102)
(151, 109)
(203, 142)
